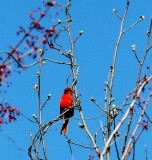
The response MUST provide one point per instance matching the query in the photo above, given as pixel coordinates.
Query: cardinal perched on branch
(65, 104)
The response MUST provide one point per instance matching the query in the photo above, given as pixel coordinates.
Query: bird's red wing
(66, 101)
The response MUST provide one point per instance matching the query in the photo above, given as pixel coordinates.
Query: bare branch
(123, 119)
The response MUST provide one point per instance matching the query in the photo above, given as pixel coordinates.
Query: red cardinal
(66, 102)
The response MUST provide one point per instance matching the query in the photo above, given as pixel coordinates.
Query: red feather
(66, 102)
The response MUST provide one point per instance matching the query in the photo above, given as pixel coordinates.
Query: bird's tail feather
(64, 129)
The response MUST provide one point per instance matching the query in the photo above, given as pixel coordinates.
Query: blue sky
(93, 52)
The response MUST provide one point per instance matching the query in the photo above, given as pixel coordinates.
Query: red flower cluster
(5, 72)
(8, 113)
(32, 40)
(37, 34)
(145, 125)
(92, 157)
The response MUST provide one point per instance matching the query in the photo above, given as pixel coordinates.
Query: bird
(65, 103)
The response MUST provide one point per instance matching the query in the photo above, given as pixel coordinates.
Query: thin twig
(137, 126)
(13, 141)
(146, 52)
(80, 145)
(94, 101)
(146, 153)
(27, 118)
(115, 142)
(35, 149)
(130, 27)
(136, 56)
(127, 131)
(40, 108)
